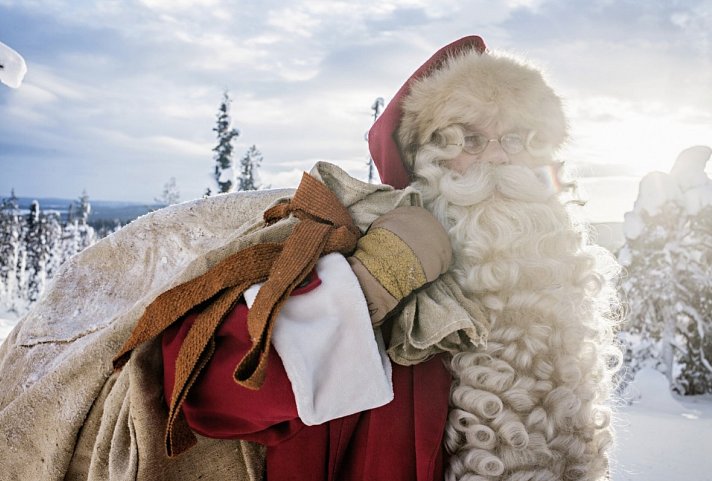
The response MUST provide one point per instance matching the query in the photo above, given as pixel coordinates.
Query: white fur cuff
(336, 365)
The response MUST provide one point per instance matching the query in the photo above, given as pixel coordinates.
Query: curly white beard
(531, 404)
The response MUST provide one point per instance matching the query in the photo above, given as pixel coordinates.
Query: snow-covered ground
(659, 438)
(663, 437)
(7, 322)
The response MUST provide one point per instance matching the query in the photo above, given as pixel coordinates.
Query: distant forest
(35, 241)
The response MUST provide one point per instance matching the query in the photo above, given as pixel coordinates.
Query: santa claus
(501, 359)
(477, 133)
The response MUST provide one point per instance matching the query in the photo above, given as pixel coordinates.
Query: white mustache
(482, 181)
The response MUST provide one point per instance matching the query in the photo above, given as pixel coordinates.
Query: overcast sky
(122, 95)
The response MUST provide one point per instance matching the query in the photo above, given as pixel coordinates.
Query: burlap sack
(62, 411)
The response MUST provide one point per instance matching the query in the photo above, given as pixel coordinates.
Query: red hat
(381, 138)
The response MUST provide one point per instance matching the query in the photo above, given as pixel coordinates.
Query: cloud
(695, 24)
(293, 21)
(173, 5)
(598, 192)
(170, 146)
(636, 141)
(599, 170)
(138, 83)
(284, 178)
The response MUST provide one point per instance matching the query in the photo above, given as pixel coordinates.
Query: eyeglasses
(476, 143)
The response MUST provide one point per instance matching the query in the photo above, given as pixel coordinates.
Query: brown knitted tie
(325, 226)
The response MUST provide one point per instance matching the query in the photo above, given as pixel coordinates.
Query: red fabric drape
(399, 441)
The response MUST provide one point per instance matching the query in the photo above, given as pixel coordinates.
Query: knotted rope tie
(325, 226)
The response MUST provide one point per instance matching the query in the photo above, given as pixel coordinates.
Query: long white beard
(529, 405)
(508, 229)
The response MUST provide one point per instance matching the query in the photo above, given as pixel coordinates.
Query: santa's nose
(494, 153)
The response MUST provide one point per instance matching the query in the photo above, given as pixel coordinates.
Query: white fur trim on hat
(472, 88)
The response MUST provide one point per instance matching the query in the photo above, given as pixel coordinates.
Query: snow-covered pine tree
(11, 253)
(37, 252)
(652, 288)
(376, 108)
(696, 361)
(34, 245)
(77, 234)
(223, 172)
(41, 242)
(83, 208)
(170, 194)
(70, 214)
(87, 236)
(668, 257)
(250, 162)
(53, 237)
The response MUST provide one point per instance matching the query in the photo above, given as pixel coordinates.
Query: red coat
(401, 441)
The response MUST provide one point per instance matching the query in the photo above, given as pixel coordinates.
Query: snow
(687, 185)
(689, 173)
(624, 256)
(689, 166)
(696, 198)
(650, 391)
(660, 437)
(7, 322)
(227, 174)
(12, 67)
(633, 225)
(656, 189)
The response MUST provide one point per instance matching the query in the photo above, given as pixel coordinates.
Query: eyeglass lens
(476, 143)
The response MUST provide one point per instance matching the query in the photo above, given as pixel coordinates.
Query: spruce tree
(77, 234)
(376, 109)
(86, 233)
(223, 172)
(34, 245)
(53, 236)
(696, 360)
(249, 164)
(668, 258)
(11, 252)
(38, 245)
(170, 194)
(70, 214)
(83, 208)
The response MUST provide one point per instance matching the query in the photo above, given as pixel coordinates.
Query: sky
(121, 95)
